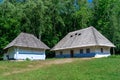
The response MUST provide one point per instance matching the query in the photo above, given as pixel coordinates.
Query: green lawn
(93, 69)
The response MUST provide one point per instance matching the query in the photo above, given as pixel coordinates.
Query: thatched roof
(27, 40)
(83, 38)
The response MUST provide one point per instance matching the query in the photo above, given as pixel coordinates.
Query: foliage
(27, 59)
(51, 20)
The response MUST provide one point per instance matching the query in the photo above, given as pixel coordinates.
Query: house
(86, 42)
(25, 46)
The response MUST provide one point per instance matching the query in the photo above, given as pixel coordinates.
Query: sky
(1, 0)
(76, 3)
(90, 1)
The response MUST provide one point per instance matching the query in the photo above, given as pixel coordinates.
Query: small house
(25, 46)
(86, 42)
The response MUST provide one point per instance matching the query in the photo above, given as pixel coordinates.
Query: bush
(27, 59)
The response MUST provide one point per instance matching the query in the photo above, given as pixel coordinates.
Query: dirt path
(44, 63)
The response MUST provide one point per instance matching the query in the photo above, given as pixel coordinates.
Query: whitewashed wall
(24, 53)
(94, 49)
(77, 50)
(66, 53)
(105, 49)
(106, 52)
(10, 53)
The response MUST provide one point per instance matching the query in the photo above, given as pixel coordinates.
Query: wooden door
(71, 53)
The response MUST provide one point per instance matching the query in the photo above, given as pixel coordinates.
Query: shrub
(27, 59)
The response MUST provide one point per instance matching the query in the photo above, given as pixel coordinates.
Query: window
(71, 36)
(75, 33)
(79, 34)
(101, 50)
(81, 51)
(61, 53)
(88, 50)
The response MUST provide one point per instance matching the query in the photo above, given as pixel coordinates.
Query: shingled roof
(27, 40)
(83, 38)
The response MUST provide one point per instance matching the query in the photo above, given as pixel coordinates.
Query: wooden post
(113, 51)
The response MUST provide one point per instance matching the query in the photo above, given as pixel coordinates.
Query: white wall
(10, 53)
(106, 52)
(66, 53)
(33, 54)
(24, 53)
(93, 49)
(77, 50)
(105, 49)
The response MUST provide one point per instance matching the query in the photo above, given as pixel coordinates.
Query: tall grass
(94, 69)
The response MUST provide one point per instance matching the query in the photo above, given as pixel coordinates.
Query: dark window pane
(81, 50)
(101, 50)
(88, 50)
(61, 53)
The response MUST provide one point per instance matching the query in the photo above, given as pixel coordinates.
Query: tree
(9, 25)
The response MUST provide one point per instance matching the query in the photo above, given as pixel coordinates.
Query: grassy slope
(95, 69)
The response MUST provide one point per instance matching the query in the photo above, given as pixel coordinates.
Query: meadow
(62, 69)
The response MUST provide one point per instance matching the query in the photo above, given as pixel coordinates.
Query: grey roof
(83, 38)
(27, 40)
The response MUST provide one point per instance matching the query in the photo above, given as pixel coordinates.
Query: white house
(86, 42)
(25, 46)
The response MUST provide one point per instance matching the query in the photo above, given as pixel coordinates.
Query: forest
(51, 20)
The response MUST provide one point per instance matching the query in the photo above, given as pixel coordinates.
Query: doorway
(7, 57)
(71, 53)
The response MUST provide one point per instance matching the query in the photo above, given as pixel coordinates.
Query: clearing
(40, 64)
(62, 69)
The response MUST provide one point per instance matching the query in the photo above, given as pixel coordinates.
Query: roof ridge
(24, 36)
(73, 40)
(27, 33)
(81, 29)
(95, 38)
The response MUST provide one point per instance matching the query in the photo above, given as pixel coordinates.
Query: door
(71, 53)
(7, 57)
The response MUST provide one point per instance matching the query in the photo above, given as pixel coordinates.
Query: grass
(93, 69)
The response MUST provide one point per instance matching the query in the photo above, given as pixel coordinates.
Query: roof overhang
(57, 49)
(26, 47)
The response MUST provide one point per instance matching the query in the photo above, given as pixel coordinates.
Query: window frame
(81, 51)
(61, 53)
(88, 50)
